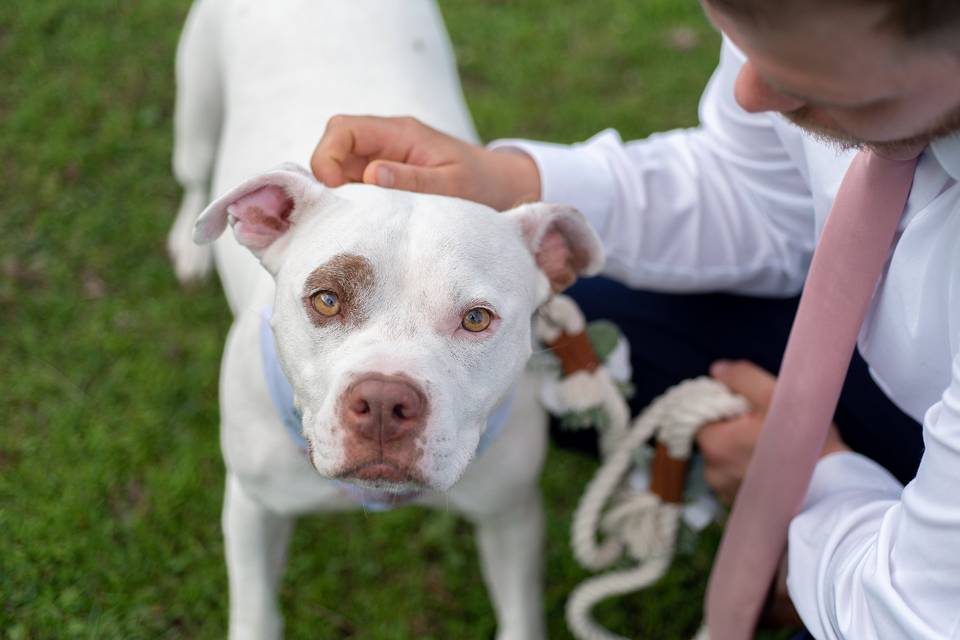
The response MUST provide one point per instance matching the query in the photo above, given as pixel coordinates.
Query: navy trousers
(674, 337)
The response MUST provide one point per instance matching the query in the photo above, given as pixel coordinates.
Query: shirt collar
(947, 152)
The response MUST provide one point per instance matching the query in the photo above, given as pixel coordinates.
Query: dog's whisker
(544, 350)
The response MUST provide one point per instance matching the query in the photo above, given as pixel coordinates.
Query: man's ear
(563, 245)
(262, 211)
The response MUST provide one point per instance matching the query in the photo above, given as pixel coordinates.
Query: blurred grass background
(110, 472)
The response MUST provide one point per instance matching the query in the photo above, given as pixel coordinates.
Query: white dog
(401, 321)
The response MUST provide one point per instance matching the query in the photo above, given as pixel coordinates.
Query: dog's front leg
(511, 552)
(256, 547)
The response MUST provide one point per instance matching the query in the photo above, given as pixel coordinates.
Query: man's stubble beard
(948, 125)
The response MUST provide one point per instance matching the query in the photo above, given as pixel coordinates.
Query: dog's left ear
(563, 244)
(263, 210)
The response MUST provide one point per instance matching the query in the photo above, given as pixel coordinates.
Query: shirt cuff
(846, 500)
(577, 175)
(844, 471)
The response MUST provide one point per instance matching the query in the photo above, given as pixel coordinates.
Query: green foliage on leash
(603, 336)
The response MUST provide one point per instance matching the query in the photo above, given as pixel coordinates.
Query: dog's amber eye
(477, 319)
(326, 303)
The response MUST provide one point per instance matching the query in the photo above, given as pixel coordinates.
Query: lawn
(110, 473)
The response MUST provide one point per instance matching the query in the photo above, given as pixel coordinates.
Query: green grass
(110, 474)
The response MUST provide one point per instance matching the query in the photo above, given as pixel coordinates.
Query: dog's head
(401, 319)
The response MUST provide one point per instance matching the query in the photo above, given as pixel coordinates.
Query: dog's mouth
(383, 475)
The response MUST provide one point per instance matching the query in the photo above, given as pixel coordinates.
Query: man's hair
(937, 19)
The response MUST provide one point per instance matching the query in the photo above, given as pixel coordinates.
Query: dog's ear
(562, 243)
(262, 211)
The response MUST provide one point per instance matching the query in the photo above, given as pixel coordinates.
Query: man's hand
(727, 446)
(403, 153)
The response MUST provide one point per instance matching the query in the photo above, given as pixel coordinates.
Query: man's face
(836, 72)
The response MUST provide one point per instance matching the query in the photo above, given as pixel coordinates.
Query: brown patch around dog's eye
(339, 289)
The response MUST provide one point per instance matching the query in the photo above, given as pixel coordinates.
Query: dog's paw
(191, 261)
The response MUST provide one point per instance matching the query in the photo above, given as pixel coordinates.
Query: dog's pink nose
(384, 408)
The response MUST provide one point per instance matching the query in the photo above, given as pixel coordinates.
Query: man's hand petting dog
(727, 445)
(403, 153)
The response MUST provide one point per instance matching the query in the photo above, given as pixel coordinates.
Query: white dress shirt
(737, 204)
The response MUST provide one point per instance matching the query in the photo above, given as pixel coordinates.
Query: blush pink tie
(846, 266)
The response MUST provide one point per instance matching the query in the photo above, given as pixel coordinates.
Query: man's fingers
(396, 175)
(718, 440)
(727, 447)
(349, 142)
(333, 152)
(747, 379)
(724, 487)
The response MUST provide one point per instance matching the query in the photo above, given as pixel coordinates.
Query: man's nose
(384, 408)
(754, 94)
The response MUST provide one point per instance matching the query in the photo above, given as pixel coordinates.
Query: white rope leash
(639, 523)
(559, 315)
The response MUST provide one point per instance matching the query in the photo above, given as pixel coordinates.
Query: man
(737, 205)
